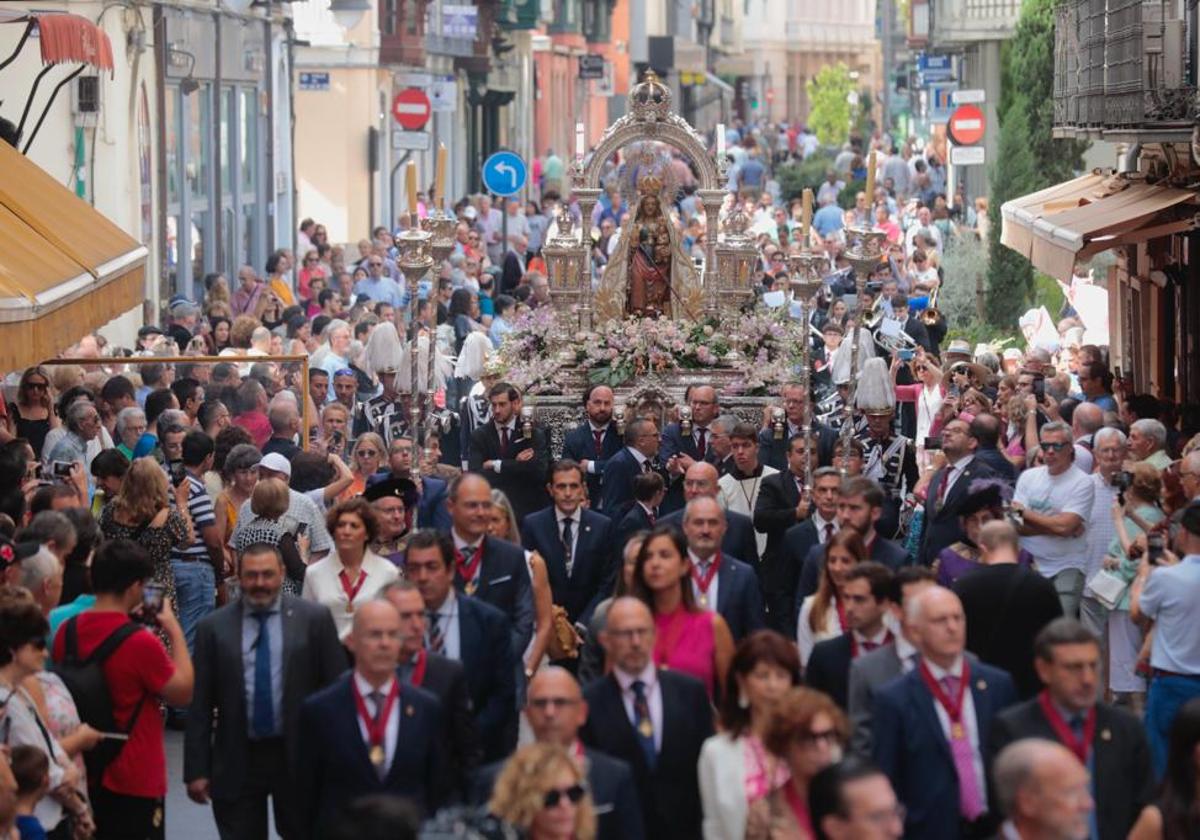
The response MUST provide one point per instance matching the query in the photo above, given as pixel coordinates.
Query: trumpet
(931, 315)
(873, 320)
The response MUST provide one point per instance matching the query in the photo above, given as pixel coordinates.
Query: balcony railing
(1120, 65)
(964, 21)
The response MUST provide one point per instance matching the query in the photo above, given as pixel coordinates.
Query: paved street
(185, 819)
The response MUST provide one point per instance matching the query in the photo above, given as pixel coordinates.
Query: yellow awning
(1075, 220)
(65, 269)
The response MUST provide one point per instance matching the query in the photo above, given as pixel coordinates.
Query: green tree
(1028, 157)
(830, 113)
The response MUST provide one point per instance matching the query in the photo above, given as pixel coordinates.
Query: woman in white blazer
(351, 574)
(735, 768)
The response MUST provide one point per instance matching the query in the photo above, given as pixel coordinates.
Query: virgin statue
(648, 274)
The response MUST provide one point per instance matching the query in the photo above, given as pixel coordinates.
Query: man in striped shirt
(198, 566)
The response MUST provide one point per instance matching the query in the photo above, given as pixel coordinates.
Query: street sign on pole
(939, 101)
(411, 109)
(413, 141)
(966, 155)
(969, 97)
(504, 173)
(967, 125)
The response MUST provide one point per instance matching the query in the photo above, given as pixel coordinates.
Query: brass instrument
(931, 315)
(891, 343)
(877, 315)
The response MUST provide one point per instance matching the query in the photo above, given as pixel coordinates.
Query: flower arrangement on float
(761, 349)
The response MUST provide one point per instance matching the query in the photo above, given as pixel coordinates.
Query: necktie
(504, 441)
(869, 646)
(828, 531)
(598, 441)
(568, 539)
(643, 724)
(263, 713)
(945, 486)
(377, 699)
(646, 466)
(437, 642)
(652, 515)
(970, 801)
(701, 442)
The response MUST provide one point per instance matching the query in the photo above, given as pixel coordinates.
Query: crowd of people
(943, 595)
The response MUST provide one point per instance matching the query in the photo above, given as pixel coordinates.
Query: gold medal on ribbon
(956, 731)
(349, 606)
(646, 729)
(704, 600)
(469, 587)
(377, 755)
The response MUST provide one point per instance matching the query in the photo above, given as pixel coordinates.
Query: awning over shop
(1058, 226)
(65, 269)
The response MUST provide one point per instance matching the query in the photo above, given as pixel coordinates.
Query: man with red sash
(367, 733)
(1108, 741)
(931, 726)
(866, 596)
(720, 582)
(439, 675)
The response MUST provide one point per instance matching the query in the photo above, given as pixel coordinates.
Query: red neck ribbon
(376, 726)
(351, 591)
(705, 581)
(953, 706)
(1063, 731)
(468, 568)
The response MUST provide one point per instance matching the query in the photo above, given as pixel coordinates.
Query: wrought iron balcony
(1121, 68)
(961, 22)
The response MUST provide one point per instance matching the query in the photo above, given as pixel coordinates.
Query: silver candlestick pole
(864, 252)
(415, 262)
(440, 226)
(805, 280)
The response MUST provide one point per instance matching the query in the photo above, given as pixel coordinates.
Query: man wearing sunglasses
(378, 286)
(556, 711)
(1055, 501)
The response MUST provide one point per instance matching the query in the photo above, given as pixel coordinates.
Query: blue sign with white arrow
(504, 173)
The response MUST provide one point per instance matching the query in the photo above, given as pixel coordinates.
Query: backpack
(84, 678)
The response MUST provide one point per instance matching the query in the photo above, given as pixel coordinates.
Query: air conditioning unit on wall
(85, 100)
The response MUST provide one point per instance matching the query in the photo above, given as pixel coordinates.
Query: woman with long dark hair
(1176, 813)
(821, 612)
(689, 638)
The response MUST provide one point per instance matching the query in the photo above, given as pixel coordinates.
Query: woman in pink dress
(689, 638)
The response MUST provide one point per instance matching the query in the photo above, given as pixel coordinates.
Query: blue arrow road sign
(504, 173)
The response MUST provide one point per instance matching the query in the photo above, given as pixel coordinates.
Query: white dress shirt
(603, 430)
(649, 676)
(969, 720)
(322, 584)
(392, 730)
(447, 615)
(819, 522)
(638, 456)
(511, 425)
(906, 653)
(711, 597)
(576, 523)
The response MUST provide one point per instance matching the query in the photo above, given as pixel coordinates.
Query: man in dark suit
(772, 448)
(740, 541)
(680, 449)
(593, 442)
(556, 711)
(401, 753)
(1109, 742)
(576, 544)
(719, 581)
(655, 721)
(638, 456)
(510, 460)
(252, 674)
(860, 505)
(486, 568)
(931, 726)
(783, 502)
(818, 528)
(871, 671)
(985, 428)
(431, 501)
(441, 676)
(648, 492)
(865, 596)
(469, 631)
(949, 489)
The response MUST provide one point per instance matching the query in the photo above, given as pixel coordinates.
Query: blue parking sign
(504, 173)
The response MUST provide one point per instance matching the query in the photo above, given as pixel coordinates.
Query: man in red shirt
(128, 798)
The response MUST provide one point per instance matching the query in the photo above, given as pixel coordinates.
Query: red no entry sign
(411, 109)
(966, 125)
